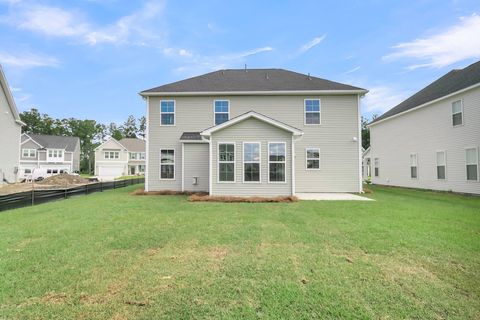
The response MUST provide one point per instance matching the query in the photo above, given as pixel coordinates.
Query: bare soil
(60, 181)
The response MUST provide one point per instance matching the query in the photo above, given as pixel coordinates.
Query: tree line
(366, 131)
(90, 132)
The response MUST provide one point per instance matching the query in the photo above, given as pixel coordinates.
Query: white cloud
(28, 60)
(457, 43)
(312, 43)
(173, 52)
(352, 70)
(245, 54)
(382, 98)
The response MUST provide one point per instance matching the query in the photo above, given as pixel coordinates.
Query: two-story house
(10, 129)
(115, 158)
(262, 132)
(432, 139)
(57, 154)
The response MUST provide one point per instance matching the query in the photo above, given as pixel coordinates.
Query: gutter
(252, 93)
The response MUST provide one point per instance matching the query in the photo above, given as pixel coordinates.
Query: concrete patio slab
(331, 196)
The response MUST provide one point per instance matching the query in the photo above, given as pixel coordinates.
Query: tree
(142, 127)
(114, 131)
(129, 127)
(366, 131)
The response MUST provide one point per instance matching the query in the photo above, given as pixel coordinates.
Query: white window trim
(376, 165)
(285, 162)
(55, 159)
(305, 112)
(28, 152)
(174, 112)
(259, 161)
(214, 113)
(109, 154)
(169, 164)
(234, 161)
(452, 114)
(416, 165)
(436, 164)
(307, 158)
(478, 165)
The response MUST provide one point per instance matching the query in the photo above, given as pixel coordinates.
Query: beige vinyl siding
(339, 153)
(251, 130)
(100, 160)
(29, 145)
(9, 141)
(196, 165)
(426, 131)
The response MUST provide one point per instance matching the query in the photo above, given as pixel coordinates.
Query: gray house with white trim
(432, 139)
(254, 132)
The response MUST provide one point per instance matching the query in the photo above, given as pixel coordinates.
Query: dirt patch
(63, 179)
(54, 298)
(142, 192)
(229, 199)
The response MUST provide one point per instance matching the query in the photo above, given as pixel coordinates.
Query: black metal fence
(33, 197)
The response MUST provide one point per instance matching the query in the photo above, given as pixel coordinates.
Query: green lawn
(410, 254)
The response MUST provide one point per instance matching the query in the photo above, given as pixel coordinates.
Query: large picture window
(251, 162)
(312, 111)
(222, 111)
(313, 158)
(276, 161)
(413, 166)
(441, 165)
(472, 164)
(226, 162)
(167, 164)
(167, 112)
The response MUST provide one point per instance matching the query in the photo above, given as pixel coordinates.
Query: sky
(88, 59)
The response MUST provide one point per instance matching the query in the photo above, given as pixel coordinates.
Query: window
(472, 164)
(226, 162)
(313, 158)
(29, 153)
(457, 113)
(111, 154)
(141, 168)
(55, 153)
(142, 155)
(55, 171)
(222, 111)
(376, 164)
(167, 164)
(136, 155)
(49, 171)
(276, 161)
(251, 162)
(414, 166)
(167, 112)
(132, 155)
(312, 111)
(28, 171)
(441, 165)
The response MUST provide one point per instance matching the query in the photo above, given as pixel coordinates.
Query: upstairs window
(29, 153)
(414, 166)
(55, 155)
(441, 165)
(312, 111)
(251, 162)
(313, 158)
(167, 164)
(376, 164)
(167, 112)
(472, 164)
(276, 161)
(111, 154)
(226, 162)
(457, 113)
(222, 111)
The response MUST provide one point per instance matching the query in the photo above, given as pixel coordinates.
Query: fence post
(86, 189)
(101, 186)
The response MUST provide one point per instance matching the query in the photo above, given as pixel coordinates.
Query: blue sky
(90, 58)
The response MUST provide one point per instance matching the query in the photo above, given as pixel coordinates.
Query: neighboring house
(10, 129)
(367, 165)
(54, 153)
(120, 158)
(431, 140)
(263, 132)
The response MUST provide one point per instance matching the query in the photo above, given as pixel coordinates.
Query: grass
(410, 254)
(129, 177)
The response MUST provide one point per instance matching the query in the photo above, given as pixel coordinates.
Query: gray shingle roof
(133, 144)
(452, 82)
(56, 142)
(251, 80)
(194, 136)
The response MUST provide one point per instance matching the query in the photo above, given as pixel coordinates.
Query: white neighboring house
(115, 158)
(432, 139)
(366, 164)
(57, 154)
(10, 131)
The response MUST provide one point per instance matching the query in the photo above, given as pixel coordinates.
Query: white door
(110, 171)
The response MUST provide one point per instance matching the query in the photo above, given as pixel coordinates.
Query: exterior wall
(426, 131)
(339, 154)
(76, 158)
(110, 145)
(9, 141)
(70, 163)
(252, 130)
(196, 159)
(29, 145)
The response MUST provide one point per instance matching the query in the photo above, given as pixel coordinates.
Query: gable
(110, 144)
(251, 128)
(7, 103)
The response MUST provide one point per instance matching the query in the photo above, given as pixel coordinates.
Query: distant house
(54, 153)
(120, 158)
(10, 127)
(432, 139)
(255, 132)
(366, 164)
